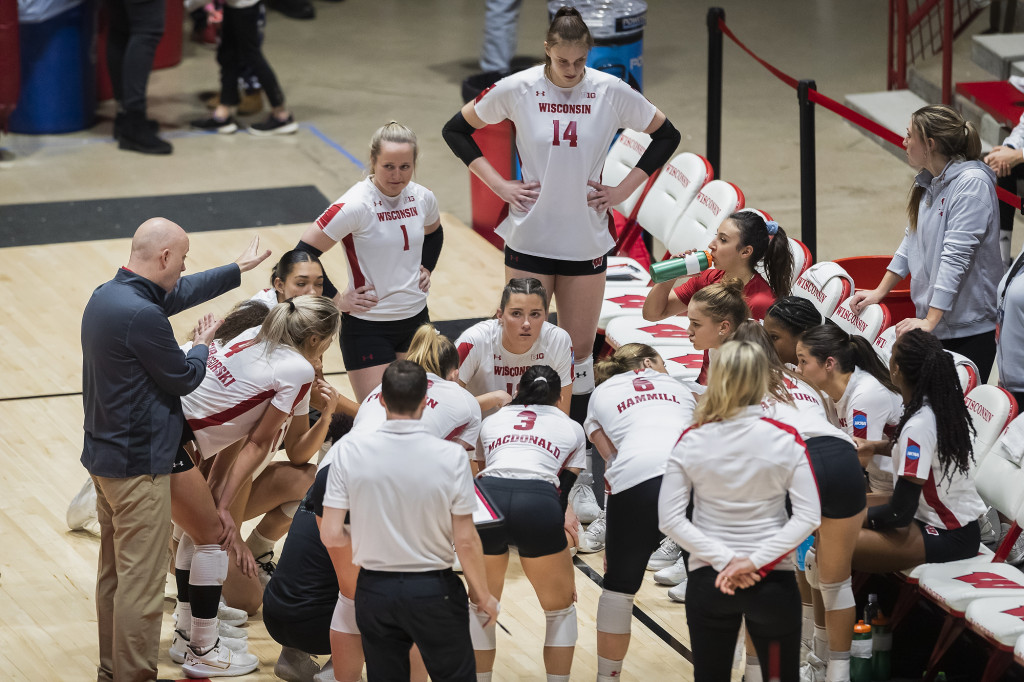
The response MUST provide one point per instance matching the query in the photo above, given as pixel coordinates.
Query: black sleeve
(459, 135)
(900, 510)
(330, 291)
(664, 141)
(566, 479)
(432, 248)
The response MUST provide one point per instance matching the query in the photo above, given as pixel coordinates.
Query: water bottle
(618, 30)
(871, 609)
(860, 653)
(673, 268)
(881, 648)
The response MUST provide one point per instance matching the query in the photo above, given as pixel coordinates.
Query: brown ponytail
(568, 27)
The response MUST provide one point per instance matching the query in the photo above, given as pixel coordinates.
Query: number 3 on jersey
(569, 134)
(528, 417)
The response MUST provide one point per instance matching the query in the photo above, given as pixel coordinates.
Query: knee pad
(583, 382)
(289, 509)
(562, 629)
(209, 566)
(614, 612)
(484, 638)
(838, 596)
(183, 557)
(344, 618)
(811, 569)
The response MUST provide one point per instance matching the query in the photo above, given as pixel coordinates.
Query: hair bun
(568, 11)
(734, 285)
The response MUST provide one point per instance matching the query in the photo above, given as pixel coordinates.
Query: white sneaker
(219, 661)
(664, 556)
(326, 673)
(179, 646)
(1016, 555)
(294, 665)
(582, 499)
(673, 575)
(678, 593)
(235, 617)
(592, 539)
(265, 567)
(988, 522)
(814, 670)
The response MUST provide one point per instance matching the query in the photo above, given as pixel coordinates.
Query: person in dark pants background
(411, 496)
(133, 375)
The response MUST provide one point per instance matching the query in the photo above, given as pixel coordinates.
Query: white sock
(821, 642)
(807, 625)
(752, 670)
(608, 670)
(258, 544)
(557, 678)
(204, 634)
(839, 669)
(184, 611)
(483, 677)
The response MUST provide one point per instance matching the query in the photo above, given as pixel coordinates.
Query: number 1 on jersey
(405, 234)
(569, 134)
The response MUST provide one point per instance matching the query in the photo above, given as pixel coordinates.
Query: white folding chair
(824, 284)
(966, 371)
(883, 344)
(682, 363)
(695, 229)
(869, 323)
(992, 409)
(627, 149)
(671, 331)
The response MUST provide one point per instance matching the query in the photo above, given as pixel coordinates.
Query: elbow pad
(432, 248)
(459, 135)
(566, 480)
(900, 510)
(664, 141)
(330, 291)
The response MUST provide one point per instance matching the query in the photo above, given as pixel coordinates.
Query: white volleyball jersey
(451, 412)
(242, 378)
(869, 410)
(383, 240)
(643, 413)
(532, 442)
(562, 135)
(485, 365)
(807, 414)
(266, 296)
(946, 501)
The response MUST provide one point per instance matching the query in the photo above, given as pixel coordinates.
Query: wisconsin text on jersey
(551, 108)
(528, 440)
(397, 214)
(644, 397)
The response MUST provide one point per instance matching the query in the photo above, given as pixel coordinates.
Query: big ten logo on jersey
(537, 356)
(590, 95)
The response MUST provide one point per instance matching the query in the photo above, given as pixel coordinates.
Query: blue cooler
(618, 30)
(58, 73)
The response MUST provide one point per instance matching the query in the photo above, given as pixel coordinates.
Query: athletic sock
(838, 666)
(204, 634)
(752, 670)
(821, 642)
(608, 670)
(258, 544)
(807, 626)
(184, 612)
(557, 678)
(483, 677)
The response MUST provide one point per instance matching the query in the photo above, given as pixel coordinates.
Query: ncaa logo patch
(860, 420)
(913, 452)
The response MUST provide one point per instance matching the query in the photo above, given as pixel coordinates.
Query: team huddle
(755, 480)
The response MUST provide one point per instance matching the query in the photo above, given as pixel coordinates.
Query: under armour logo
(378, 203)
(580, 374)
(540, 93)
(367, 357)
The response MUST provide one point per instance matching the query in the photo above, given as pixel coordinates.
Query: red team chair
(826, 285)
(869, 323)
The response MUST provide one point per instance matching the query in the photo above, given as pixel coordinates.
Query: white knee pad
(344, 619)
(614, 612)
(484, 638)
(289, 509)
(183, 557)
(838, 596)
(583, 383)
(209, 566)
(811, 569)
(562, 629)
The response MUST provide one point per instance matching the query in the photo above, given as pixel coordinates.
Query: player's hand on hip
(520, 195)
(358, 300)
(252, 256)
(424, 279)
(603, 197)
(206, 329)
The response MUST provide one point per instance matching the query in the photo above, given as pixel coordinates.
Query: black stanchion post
(808, 185)
(714, 135)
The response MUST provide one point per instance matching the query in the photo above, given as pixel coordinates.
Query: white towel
(1011, 443)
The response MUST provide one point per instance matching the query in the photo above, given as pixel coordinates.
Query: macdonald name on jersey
(526, 440)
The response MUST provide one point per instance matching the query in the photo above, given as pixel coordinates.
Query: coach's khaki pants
(134, 516)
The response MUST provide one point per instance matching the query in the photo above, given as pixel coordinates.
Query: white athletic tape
(811, 569)
(289, 509)
(209, 566)
(344, 618)
(183, 557)
(562, 629)
(614, 612)
(838, 596)
(176, 531)
(583, 383)
(484, 638)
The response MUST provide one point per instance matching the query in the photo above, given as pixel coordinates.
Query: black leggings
(631, 535)
(979, 348)
(771, 609)
(136, 27)
(240, 48)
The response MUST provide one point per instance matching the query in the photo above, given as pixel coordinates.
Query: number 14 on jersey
(569, 134)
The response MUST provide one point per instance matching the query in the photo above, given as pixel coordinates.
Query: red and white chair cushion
(802, 258)
(716, 201)
(621, 159)
(869, 323)
(966, 371)
(619, 302)
(953, 587)
(992, 409)
(883, 344)
(671, 331)
(1001, 621)
(682, 363)
(826, 285)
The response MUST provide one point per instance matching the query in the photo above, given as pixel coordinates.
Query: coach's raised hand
(251, 257)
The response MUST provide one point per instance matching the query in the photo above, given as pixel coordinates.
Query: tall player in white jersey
(846, 368)
(494, 354)
(558, 226)
(635, 417)
(392, 233)
(533, 454)
(254, 384)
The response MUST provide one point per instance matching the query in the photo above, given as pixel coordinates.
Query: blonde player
(391, 230)
(558, 225)
(494, 354)
(254, 384)
(534, 453)
(636, 415)
(846, 368)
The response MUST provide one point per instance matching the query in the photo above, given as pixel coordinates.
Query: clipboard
(486, 514)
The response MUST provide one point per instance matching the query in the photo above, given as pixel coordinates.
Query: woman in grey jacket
(951, 245)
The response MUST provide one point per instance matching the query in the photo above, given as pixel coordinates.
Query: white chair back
(699, 223)
(622, 157)
(966, 371)
(869, 323)
(999, 477)
(883, 344)
(992, 409)
(672, 192)
(826, 285)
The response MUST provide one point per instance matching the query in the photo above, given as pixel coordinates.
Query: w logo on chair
(665, 331)
(989, 581)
